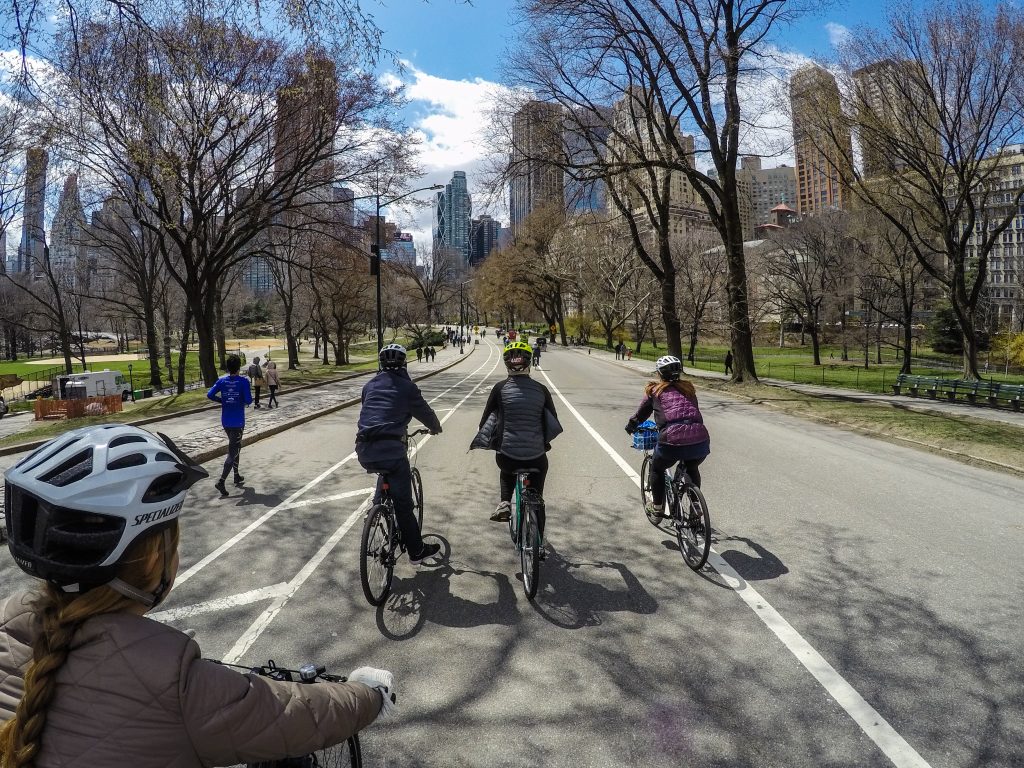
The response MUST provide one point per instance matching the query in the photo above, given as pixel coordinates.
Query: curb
(26, 447)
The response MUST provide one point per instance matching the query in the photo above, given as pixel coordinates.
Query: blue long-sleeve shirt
(233, 394)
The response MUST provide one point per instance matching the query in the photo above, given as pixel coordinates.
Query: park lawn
(990, 440)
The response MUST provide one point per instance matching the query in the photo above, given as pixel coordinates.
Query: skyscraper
(453, 212)
(537, 176)
(818, 125)
(33, 237)
(67, 233)
(486, 232)
(892, 107)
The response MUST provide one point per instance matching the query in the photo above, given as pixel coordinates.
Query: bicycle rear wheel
(693, 527)
(344, 755)
(417, 495)
(376, 561)
(529, 551)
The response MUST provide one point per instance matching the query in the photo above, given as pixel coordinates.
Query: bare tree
(806, 267)
(937, 109)
(681, 64)
(701, 269)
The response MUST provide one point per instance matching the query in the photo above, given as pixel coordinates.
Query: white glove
(380, 680)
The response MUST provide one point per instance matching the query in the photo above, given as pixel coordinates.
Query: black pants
(272, 400)
(507, 479)
(256, 395)
(663, 461)
(234, 450)
(400, 487)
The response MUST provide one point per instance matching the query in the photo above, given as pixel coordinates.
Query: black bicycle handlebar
(423, 431)
(307, 673)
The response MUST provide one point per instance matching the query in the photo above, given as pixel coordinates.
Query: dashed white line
(221, 603)
(894, 746)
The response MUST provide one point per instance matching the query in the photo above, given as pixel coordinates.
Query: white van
(97, 384)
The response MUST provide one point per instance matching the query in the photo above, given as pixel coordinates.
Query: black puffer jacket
(519, 419)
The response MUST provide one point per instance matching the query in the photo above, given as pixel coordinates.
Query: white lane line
(264, 620)
(894, 746)
(325, 499)
(873, 724)
(289, 502)
(220, 603)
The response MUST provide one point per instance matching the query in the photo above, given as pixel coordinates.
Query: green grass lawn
(796, 364)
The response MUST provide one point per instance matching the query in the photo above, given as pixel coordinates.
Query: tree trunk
(149, 317)
(673, 328)
(204, 319)
(908, 340)
(186, 330)
(741, 339)
(694, 332)
(222, 344)
(815, 344)
(293, 344)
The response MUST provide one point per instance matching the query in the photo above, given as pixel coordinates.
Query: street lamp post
(462, 321)
(375, 256)
(131, 381)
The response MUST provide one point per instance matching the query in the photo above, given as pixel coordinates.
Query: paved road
(864, 599)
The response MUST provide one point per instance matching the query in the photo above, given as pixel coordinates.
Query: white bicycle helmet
(75, 505)
(669, 367)
(392, 356)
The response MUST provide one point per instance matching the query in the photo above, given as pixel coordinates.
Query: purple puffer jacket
(677, 416)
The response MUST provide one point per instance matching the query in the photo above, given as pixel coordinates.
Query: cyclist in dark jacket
(519, 422)
(390, 401)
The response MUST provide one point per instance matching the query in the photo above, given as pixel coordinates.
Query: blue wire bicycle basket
(646, 436)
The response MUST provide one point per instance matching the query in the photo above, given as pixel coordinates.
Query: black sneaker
(428, 551)
(239, 479)
(219, 485)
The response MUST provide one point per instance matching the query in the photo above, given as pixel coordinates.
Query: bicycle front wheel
(645, 491)
(344, 755)
(417, 495)
(376, 561)
(693, 527)
(529, 551)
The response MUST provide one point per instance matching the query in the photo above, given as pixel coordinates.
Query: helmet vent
(70, 471)
(163, 488)
(166, 457)
(131, 460)
(125, 439)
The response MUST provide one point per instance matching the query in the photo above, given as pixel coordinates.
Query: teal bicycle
(524, 528)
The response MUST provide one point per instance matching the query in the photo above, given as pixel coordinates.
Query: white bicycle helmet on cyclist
(392, 356)
(76, 504)
(669, 367)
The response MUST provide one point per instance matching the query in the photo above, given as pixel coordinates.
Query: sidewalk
(922, 405)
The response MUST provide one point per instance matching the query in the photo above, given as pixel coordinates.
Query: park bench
(914, 384)
(1012, 394)
(981, 388)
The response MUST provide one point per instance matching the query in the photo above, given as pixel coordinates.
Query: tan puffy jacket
(136, 692)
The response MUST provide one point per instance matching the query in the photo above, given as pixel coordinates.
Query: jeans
(272, 400)
(507, 479)
(234, 450)
(399, 475)
(665, 456)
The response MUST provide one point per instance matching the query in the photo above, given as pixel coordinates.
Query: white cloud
(449, 117)
(837, 33)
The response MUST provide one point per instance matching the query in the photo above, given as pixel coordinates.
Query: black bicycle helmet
(669, 367)
(75, 505)
(392, 356)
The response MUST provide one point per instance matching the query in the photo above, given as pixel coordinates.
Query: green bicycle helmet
(517, 356)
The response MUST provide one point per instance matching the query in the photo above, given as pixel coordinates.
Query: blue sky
(453, 51)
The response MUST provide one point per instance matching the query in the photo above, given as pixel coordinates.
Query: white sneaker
(502, 513)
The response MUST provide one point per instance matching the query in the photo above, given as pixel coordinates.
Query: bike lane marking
(894, 746)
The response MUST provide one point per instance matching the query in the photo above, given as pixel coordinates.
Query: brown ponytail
(655, 388)
(60, 615)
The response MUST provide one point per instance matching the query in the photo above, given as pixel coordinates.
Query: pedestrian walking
(233, 393)
(273, 379)
(728, 361)
(433, 354)
(256, 380)
(419, 354)
(629, 353)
